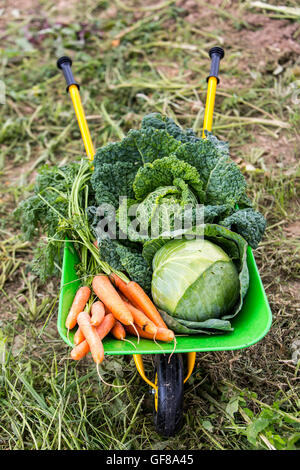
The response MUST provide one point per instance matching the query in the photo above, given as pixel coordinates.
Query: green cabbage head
(194, 280)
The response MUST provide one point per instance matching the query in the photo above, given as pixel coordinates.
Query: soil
(14, 9)
(293, 230)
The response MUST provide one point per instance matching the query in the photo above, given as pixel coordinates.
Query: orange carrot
(97, 313)
(107, 311)
(82, 349)
(163, 334)
(95, 243)
(91, 336)
(79, 302)
(106, 325)
(106, 292)
(118, 331)
(79, 336)
(141, 319)
(140, 299)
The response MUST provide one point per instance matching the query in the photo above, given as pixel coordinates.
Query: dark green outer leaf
(207, 327)
(248, 223)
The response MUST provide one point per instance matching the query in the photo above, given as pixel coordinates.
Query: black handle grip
(216, 54)
(64, 63)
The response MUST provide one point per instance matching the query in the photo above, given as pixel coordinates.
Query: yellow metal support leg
(138, 359)
(191, 359)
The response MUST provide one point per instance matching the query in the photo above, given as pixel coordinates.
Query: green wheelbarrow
(171, 370)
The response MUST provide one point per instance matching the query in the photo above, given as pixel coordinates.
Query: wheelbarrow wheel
(168, 400)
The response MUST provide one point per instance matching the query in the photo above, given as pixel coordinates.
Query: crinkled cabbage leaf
(163, 165)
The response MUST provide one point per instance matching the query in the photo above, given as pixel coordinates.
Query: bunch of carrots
(121, 307)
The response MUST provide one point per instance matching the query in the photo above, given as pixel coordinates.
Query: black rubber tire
(168, 417)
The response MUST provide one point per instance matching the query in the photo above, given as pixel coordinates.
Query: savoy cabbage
(162, 163)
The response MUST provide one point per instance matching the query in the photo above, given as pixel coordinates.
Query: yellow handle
(209, 106)
(85, 133)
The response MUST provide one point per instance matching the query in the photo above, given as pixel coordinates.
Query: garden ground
(131, 58)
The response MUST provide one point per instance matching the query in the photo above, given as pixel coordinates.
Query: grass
(132, 58)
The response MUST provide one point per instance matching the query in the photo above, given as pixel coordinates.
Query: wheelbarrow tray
(250, 325)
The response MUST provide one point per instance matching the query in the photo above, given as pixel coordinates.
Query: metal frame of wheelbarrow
(250, 325)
